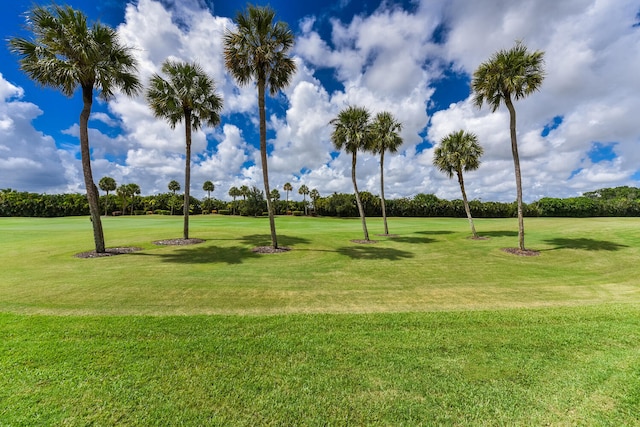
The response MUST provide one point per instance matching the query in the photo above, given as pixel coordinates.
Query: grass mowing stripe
(513, 367)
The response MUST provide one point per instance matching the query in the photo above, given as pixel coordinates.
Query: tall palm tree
(385, 137)
(187, 94)
(459, 151)
(304, 190)
(351, 131)
(287, 187)
(315, 195)
(507, 76)
(65, 54)
(107, 184)
(258, 51)
(244, 192)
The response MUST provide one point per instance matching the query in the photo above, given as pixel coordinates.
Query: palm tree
(385, 137)
(234, 192)
(459, 151)
(351, 131)
(208, 187)
(304, 190)
(132, 191)
(66, 54)
(507, 76)
(258, 50)
(287, 187)
(315, 195)
(275, 197)
(188, 94)
(244, 192)
(173, 187)
(107, 184)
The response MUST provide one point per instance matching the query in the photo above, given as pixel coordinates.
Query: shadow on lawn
(372, 252)
(498, 233)
(200, 254)
(410, 239)
(585, 244)
(265, 240)
(435, 232)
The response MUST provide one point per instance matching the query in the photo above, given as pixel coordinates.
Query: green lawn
(428, 327)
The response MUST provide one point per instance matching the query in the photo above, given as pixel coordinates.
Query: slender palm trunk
(384, 207)
(263, 157)
(92, 190)
(187, 173)
(516, 164)
(466, 203)
(358, 202)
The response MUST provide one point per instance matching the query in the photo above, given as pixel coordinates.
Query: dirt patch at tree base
(364, 242)
(520, 252)
(270, 250)
(108, 252)
(177, 242)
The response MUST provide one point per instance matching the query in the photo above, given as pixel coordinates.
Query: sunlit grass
(426, 328)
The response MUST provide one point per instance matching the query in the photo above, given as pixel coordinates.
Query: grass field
(428, 327)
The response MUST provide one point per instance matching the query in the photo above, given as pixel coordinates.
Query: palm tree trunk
(92, 190)
(187, 173)
(466, 204)
(384, 207)
(358, 202)
(516, 164)
(263, 158)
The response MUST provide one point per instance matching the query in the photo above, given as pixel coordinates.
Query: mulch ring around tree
(108, 252)
(177, 242)
(270, 250)
(364, 242)
(520, 252)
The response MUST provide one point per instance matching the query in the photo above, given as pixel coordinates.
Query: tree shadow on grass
(498, 233)
(204, 255)
(434, 232)
(412, 239)
(265, 240)
(373, 253)
(584, 244)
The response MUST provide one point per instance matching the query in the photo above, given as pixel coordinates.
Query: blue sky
(413, 58)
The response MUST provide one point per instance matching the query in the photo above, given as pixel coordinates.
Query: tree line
(607, 202)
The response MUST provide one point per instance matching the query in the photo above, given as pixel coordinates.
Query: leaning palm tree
(65, 54)
(385, 137)
(304, 190)
(107, 184)
(351, 131)
(258, 50)
(507, 76)
(459, 151)
(187, 94)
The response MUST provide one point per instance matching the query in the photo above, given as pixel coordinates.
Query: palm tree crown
(457, 152)
(66, 53)
(508, 75)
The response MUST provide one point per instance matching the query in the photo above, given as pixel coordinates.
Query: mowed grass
(425, 328)
(430, 265)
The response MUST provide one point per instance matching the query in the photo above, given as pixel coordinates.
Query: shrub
(224, 212)
(297, 213)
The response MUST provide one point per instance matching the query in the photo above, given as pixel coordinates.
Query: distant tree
(65, 54)
(244, 192)
(315, 195)
(351, 131)
(257, 50)
(459, 151)
(304, 190)
(188, 95)
(507, 76)
(173, 187)
(208, 187)
(234, 192)
(275, 197)
(385, 137)
(255, 203)
(287, 187)
(107, 184)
